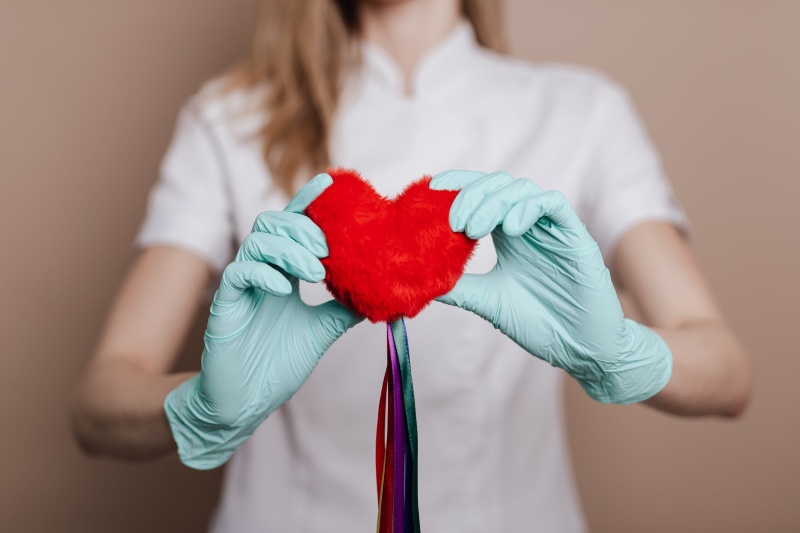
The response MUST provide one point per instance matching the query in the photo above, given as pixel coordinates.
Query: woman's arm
(711, 371)
(551, 292)
(261, 344)
(117, 407)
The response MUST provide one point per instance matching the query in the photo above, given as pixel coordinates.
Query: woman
(398, 90)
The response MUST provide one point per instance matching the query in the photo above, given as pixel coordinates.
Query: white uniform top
(492, 449)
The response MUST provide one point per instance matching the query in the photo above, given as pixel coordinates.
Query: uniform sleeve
(628, 185)
(189, 206)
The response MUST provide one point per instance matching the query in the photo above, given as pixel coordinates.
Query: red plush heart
(388, 258)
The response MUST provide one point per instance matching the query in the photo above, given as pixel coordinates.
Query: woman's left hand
(550, 291)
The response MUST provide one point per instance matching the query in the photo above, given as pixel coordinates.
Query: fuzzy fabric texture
(388, 258)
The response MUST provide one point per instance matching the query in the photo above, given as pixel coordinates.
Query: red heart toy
(388, 258)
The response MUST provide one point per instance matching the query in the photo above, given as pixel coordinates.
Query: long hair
(301, 52)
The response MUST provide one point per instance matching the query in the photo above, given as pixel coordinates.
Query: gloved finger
(453, 180)
(284, 253)
(472, 195)
(333, 319)
(294, 226)
(240, 276)
(496, 206)
(551, 205)
(309, 193)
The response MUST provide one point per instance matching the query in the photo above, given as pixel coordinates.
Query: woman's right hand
(262, 341)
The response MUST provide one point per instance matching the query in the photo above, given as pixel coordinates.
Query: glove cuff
(201, 444)
(643, 368)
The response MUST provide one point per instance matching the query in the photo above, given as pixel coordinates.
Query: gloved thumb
(332, 320)
(470, 293)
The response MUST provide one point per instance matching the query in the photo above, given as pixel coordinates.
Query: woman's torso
(492, 449)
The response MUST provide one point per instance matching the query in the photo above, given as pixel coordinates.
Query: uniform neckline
(437, 68)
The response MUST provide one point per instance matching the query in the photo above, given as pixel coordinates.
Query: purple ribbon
(399, 443)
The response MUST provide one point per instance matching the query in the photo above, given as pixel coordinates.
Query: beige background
(88, 96)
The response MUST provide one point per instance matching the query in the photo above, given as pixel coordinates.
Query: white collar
(439, 66)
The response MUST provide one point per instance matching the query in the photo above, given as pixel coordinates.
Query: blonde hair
(303, 49)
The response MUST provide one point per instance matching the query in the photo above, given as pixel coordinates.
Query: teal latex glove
(262, 342)
(550, 291)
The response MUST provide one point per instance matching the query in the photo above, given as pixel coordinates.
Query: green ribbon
(399, 332)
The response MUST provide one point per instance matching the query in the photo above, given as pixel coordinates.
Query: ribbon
(396, 439)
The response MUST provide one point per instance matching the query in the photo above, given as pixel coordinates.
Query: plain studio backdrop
(89, 92)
